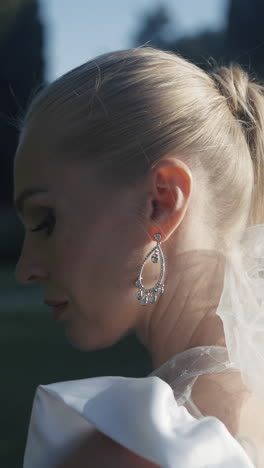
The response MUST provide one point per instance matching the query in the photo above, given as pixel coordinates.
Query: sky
(78, 30)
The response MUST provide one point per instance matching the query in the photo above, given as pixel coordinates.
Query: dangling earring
(151, 295)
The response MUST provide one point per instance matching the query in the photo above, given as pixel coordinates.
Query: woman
(136, 177)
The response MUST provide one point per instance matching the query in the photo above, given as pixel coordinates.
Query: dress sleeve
(140, 414)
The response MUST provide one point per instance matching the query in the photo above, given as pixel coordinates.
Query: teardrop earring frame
(145, 295)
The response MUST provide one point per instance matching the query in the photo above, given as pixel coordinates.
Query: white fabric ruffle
(139, 413)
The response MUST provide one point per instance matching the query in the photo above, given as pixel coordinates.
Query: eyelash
(47, 225)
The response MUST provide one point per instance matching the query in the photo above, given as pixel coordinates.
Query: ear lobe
(171, 195)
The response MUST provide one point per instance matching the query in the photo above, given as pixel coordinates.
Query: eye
(47, 225)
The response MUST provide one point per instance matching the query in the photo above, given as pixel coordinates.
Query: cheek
(95, 270)
(95, 257)
(66, 258)
(86, 266)
(104, 307)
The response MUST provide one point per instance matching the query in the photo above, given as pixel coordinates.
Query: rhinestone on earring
(151, 295)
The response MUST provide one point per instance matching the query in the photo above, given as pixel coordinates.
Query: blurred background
(40, 40)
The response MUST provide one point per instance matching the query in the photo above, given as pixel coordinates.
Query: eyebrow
(28, 193)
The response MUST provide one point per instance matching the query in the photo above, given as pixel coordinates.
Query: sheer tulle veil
(241, 307)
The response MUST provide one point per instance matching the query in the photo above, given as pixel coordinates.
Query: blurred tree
(153, 29)
(242, 40)
(159, 30)
(21, 70)
(245, 34)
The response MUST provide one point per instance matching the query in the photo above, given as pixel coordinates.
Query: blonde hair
(125, 110)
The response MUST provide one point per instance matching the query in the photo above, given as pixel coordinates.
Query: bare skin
(104, 452)
(94, 239)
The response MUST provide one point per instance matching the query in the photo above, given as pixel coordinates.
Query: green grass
(34, 351)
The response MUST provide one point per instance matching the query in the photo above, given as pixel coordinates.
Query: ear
(171, 182)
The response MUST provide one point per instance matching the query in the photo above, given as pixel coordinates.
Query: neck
(185, 316)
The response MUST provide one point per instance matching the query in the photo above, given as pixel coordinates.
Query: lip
(58, 308)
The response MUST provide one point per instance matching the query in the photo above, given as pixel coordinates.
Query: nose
(28, 270)
(29, 273)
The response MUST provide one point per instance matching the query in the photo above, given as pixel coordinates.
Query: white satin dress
(152, 416)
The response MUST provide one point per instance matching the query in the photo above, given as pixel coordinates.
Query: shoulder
(224, 396)
(99, 451)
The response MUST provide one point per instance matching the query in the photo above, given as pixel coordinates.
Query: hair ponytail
(245, 99)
